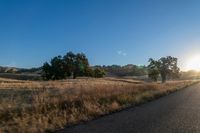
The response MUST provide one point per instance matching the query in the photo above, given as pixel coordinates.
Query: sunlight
(193, 63)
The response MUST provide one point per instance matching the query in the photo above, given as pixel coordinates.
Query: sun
(193, 63)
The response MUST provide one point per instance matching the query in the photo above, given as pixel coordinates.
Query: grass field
(39, 106)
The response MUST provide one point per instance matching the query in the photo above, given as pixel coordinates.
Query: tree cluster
(70, 65)
(166, 67)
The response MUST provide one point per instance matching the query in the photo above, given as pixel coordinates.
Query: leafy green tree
(76, 65)
(167, 67)
(58, 71)
(153, 74)
(69, 63)
(47, 71)
(89, 72)
(54, 70)
(99, 73)
(153, 70)
(81, 64)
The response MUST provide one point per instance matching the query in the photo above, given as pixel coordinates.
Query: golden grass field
(39, 106)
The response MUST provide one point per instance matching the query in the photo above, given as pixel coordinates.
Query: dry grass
(27, 106)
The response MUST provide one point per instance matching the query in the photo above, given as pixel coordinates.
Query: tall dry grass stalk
(31, 107)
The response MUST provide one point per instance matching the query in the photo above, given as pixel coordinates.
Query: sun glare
(193, 63)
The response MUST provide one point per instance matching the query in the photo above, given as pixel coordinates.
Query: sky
(107, 31)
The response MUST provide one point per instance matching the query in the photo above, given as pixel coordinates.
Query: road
(178, 112)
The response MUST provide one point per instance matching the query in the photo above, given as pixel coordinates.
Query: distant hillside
(111, 71)
(20, 70)
(20, 73)
(8, 69)
(127, 70)
(130, 70)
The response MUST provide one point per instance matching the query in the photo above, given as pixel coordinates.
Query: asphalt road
(178, 112)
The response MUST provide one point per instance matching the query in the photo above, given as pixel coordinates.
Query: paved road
(176, 113)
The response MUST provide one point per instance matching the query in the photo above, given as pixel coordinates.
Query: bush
(99, 73)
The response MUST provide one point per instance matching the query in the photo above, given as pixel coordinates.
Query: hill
(126, 70)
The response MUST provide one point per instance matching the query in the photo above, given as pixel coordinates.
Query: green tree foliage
(89, 72)
(69, 65)
(47, 71)
(57, 65)
(54, 70)
(76, 64)
(81, 65)
(166, 66)
(99, 73)
(153, 70)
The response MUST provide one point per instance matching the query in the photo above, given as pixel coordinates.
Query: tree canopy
(166, 67)
(69, 65)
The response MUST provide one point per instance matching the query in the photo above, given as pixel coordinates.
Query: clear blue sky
(107, 31)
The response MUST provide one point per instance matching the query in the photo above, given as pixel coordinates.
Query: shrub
(99, 73)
